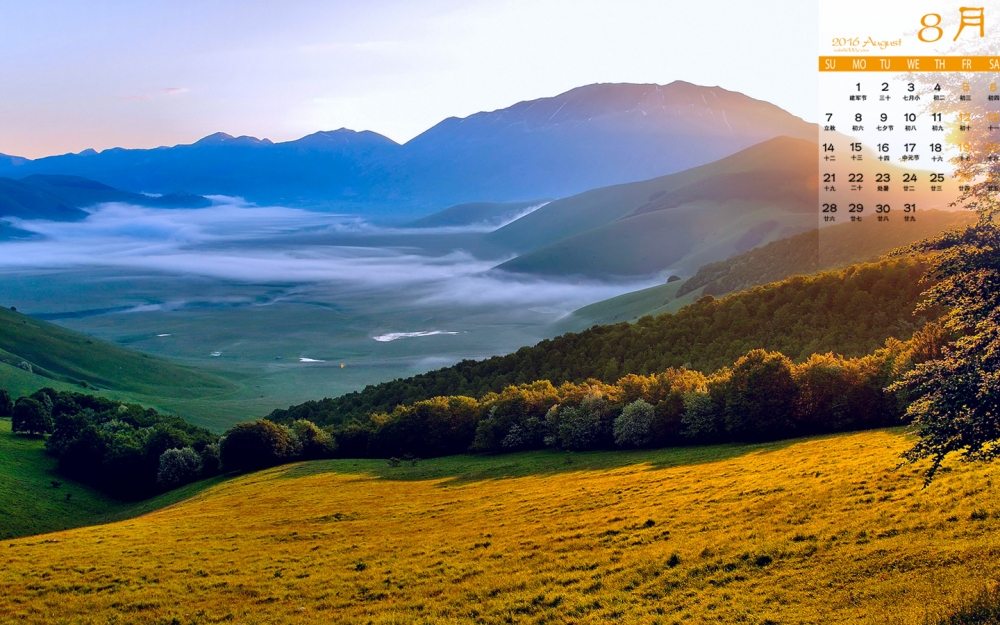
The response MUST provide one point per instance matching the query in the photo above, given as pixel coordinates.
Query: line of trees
(762, 396)
(133, 452)
(851, 312)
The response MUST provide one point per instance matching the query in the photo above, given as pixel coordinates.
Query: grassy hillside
(819, 250)
(822, 530)
(574, 215)
(681, 239)
(803, 254)
(60, 354)
(685, 220)
(474, 213)
(655, 300)
(851, 312)
(29, 504)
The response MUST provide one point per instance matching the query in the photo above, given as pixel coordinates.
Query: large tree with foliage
(955, 397)
(31, 416)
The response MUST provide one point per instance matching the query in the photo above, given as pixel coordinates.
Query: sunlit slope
(680, 222)
(794, 158)
(815, 531)
(60, 354)
(803, 254)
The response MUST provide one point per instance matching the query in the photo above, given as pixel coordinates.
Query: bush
(634, 427)
(31, 417)
(255, 445)
(178, 466)
(6, 404)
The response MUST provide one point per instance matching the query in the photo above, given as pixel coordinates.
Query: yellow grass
(817, 531)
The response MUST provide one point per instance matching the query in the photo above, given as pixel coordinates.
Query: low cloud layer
(260, 245)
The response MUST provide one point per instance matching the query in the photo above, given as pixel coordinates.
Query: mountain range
(589, 137)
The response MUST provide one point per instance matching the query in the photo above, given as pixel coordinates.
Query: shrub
(30, 417)
(178, 466)
(254, 445)
(634, 427)
(434, 427)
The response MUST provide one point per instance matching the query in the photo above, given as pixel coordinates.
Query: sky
(102, 74)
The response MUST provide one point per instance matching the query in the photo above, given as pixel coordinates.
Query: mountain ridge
(588, 137)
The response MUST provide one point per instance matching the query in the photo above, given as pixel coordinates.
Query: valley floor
(821, 530)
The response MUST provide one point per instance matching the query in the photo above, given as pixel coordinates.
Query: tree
(254, 445)
(586, 426)
(315, 442)
(760, 397)
(178, 466)
(701, 419)
(30, 417)
(634, 427)
(955, 398)
(6, 404)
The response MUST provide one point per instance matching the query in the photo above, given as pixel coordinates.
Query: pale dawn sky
(100, 74)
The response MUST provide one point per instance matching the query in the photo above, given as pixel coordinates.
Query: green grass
(29, 504)
(655, 300)
(67, 356)
(467, 468)
(803, 254)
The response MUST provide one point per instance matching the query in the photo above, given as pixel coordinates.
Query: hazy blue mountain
(596, 136)
(61, 198)
(588, 137)
(7, 160)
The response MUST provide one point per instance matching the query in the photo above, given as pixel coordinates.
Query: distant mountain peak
(342, 137)
(221, 138)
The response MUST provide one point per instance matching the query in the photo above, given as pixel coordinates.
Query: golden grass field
(810, 531)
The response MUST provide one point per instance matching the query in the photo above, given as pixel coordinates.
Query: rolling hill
(819, 530)
(588, 137)
(61, 198)
(679, 222)
(806, 253)
(476, 214)
(53, 352)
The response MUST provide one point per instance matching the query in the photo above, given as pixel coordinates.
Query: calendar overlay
(909, 114)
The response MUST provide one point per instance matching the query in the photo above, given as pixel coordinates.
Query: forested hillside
(851, 312)
(817, 250)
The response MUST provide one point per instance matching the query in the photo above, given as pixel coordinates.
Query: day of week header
(909, 63)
